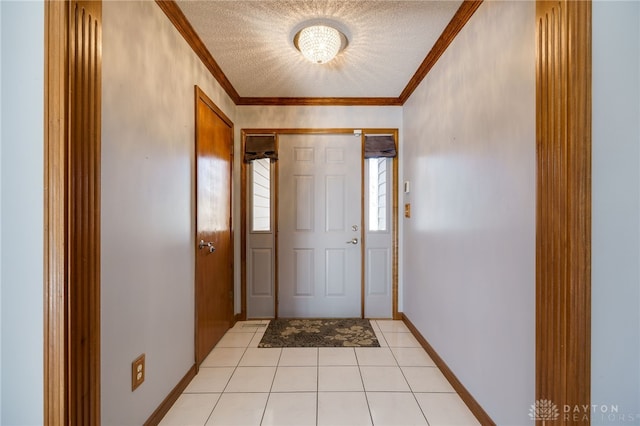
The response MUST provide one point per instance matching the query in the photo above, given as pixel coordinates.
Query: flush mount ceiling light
(319, 43)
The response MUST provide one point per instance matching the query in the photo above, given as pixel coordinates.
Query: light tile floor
(396, 384)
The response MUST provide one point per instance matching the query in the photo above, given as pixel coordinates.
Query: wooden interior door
(214, 242)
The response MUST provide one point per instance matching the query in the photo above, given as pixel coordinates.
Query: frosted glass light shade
(319, 43)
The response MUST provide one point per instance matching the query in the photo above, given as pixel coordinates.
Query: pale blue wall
(1, 214)
(469, 246)
(615, 376)
(148, 227)
(22, 211)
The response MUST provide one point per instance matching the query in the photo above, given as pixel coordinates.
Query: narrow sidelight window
(261, 195)
(378, 199)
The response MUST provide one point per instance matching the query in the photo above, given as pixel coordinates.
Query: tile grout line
(403, 375)
(317, 365)
(413, 394)
(317, 385)
(271, 387)
(228, 380)
(364, 389)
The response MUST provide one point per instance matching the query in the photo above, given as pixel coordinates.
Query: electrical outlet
(137, 372)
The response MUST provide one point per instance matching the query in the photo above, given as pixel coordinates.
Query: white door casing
(320, 232)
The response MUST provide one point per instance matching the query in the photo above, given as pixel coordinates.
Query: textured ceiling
(252, 42)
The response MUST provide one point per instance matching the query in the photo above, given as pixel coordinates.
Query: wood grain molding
(177, 18)
(563, 240)
(157, 416)
(180, 21)
(243, 231)
(464, 394)
(363, 233)
(395, 273)
(56, 89)
(320, 101)
(85, 78)
(72, 212)
(301, 131)
(459, 20)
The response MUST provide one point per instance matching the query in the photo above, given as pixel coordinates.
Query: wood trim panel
(563, 240)
(363, 233)
(201, 95)
(395, 237)
(320, 101)
(177, 18)
(302, 131)
(164, 407)
(464, 394)
(55, 116)
(243, 229)
(72, 212)
(276, 223)
(459, 20)
(85, 52)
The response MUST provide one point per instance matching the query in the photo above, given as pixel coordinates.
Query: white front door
(319, 231)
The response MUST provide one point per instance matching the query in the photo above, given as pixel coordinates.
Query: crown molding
(182, 24)
(459, 20)
(320, 101)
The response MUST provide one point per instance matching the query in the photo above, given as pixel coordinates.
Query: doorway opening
(319, 227)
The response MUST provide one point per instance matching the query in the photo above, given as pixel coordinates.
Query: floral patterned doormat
(314, 333)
